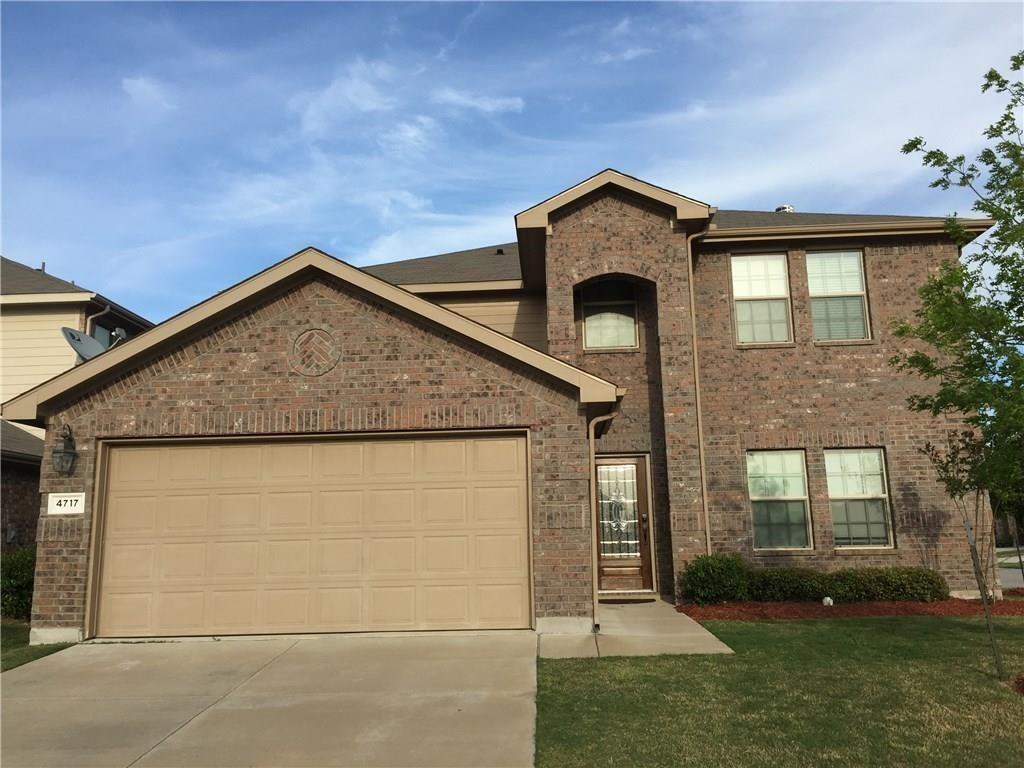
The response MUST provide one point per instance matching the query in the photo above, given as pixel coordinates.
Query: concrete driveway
(456, 699)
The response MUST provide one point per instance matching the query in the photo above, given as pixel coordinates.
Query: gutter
(696, 391)
(594, 520)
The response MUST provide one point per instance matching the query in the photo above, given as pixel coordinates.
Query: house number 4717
(65, 503)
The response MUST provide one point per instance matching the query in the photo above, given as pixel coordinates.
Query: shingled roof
(501, 262)
(493, 262)
(17, 278)
(743, 219)
(16, 443)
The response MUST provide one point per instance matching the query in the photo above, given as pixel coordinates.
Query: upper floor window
(777, 484)
(760, 289)
(835, 280)
(858, 497)
(609, 316)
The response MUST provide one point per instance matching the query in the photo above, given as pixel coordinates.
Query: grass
(899, 691)
(14, 647)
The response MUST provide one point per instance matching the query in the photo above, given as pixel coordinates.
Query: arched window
(609, 315)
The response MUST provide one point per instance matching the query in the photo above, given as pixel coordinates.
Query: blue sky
(158, 153)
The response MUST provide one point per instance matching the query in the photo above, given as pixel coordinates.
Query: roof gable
(684, 207)
(29, 405)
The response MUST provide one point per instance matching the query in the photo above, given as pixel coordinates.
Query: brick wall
(813, 396)
(615, 233)
(19, 503)
(395, 373)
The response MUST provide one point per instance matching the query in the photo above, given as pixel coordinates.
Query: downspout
(696, 390)
(90, 319)
(594, 522)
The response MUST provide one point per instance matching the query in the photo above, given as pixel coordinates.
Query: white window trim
(863, 293)
(805, 499)
(611, 303)
(866, 497)
(787, 297)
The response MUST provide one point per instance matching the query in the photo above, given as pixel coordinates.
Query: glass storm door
(624, 551)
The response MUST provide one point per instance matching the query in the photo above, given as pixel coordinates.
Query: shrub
(773, 585)
(714, 579)
(900, 583)
(17, 573)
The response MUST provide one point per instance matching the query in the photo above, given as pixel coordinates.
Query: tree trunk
(983, 588)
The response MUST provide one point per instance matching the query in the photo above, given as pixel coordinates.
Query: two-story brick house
(500, 437)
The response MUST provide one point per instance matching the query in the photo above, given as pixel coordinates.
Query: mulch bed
(749, 611)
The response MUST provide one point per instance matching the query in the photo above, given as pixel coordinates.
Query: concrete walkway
(438, 699)
(635, 629)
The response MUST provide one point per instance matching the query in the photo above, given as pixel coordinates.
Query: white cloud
(148, 93)
(627, 54)
(425, 234)
(361, 88)
(410, 136)
(487, 104)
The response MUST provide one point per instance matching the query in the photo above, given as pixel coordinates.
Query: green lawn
(913, 691)
(14, 647)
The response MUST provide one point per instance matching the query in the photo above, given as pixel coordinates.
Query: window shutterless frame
(784, 498)
(632, 305)
(752, 293)
(844, 495)
(861, 294)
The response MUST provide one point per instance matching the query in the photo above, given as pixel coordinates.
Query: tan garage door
(241, 538)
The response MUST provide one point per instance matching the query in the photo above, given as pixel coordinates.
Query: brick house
(500, 437)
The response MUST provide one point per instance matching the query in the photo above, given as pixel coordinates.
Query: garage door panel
(235, 559)
(391, 507)
(444, 555)
(181, 612)
(341, 558)
(183, 560)
(189, 465)
(392, 607)
(443, 459)
(391, 460)
(293, 509)
(236, 512)
(444, 507)
(288, 462)
(340, 461)
(500, 505)
(181, 514)
(329, 536)
(238, 462)
(339, 508)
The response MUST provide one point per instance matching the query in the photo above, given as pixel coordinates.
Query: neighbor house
(34, 306)
(500, 437)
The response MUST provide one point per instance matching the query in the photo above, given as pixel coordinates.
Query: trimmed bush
(901, 583)
(723, 578)
(17, 573)
(714, 579)
(774, 585)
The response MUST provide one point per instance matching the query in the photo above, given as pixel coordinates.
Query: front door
(624, 546)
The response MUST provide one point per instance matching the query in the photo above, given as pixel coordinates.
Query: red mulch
(1018, 685)
(749, 611)
(1014, 592)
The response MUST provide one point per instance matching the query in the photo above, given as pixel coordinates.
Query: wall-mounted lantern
(64, 453)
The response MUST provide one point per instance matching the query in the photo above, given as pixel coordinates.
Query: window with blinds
(760, 290)
(839, 309)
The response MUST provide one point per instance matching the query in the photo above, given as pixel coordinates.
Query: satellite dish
(86, 346)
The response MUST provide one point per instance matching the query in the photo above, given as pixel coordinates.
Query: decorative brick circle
(314, 352)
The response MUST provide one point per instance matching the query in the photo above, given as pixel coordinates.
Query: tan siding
(32, 349)
(519, 315)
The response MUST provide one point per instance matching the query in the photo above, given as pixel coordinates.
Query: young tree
(971, 321)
